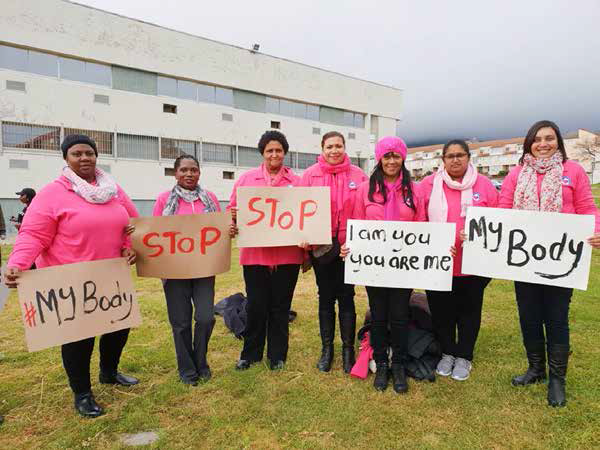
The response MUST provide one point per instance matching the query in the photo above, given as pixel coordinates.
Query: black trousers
(540, 307)
(77, 355)
(456, 315)
(270, 293)
(330, 282)
(187, 299)
(389, 306)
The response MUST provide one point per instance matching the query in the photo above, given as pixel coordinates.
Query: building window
(104, 99)
(227, 117)
(316, 130)
(275, 124)
(306, 160)
(167, 86)
(137, 147)
(359, 120)
(348, 119)
(272, 105)
(171, 109)
(187, 90)
(249, 157)
(331, 115)
(312, 112)
(351, 135)
(289, 159)
(228, 175)
(42, 64)
(87, 72)
(249, 101)
(206, 93)
(300, 110)
(29, 136)
(169, 172)
(18, 164)
(224, 96)
(174, 148)
(219, 153)
(134, 80)
(286, 108)
(13, 58)
(104, 139)
(15, 85)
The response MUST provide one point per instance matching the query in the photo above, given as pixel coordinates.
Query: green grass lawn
(301, 407)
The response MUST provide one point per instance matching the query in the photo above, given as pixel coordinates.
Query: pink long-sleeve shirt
(577, 195)
(314, 176)
(60, 227)
(196, 207)
(484, 195)
(267, 256)
(365, 209)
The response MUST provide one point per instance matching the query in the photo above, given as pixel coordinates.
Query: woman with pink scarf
(81, 216)
(456, 314)
(545, 180)
(389, 195)
(333, 169)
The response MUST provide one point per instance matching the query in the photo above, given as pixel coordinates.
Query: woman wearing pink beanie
(389, 195)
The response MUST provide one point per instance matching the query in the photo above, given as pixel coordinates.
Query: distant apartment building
(147, 94)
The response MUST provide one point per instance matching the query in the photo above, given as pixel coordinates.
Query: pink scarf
(526, 192)
(336, 177)
(273, 180)
(438, 203)
(102, 192)
(391, 208)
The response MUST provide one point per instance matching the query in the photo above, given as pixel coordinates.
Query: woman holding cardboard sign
(270, 273)
(545, 180)
(333, 169)
(81, 216)
(456, 315)
(194, 298)
(389, 195)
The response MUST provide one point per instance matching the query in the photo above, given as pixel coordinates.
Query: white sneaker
(462, 369)
(444, 367)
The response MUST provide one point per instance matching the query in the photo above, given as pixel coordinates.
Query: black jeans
(456, 315)
(540, 307)
(181, 295)
(77, 355)
(389, 306)
(330, 281)
(270, 293)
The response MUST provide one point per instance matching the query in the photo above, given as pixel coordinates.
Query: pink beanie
(390, 144)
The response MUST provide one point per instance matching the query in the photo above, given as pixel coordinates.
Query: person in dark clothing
(25, 196)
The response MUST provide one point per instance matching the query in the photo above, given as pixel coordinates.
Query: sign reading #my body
(67, 303)
(182, 247)
(531, 246)
(400, 254)
(278, 216)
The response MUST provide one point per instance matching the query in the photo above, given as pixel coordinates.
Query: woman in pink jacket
(192, 297)
(456, 315)
(270, 273)
(545, 180)
(81, 216)
(389, 195)
(333, 169)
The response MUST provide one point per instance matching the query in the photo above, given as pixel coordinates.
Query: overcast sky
(485, 69)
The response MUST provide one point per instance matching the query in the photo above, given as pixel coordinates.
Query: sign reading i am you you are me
(63, 304)
(276, 216)
(400, 254)
(531, 246)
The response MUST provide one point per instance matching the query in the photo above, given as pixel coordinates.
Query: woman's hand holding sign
(11, 275)
(344, 251)
(594, 241)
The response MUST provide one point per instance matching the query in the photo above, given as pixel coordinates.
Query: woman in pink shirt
(456, 315)
(545, 180)
(81, 216)
(270, 273)
(191, 298)
(389, 195)
(333, 169)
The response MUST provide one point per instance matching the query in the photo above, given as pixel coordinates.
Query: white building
(147, 93)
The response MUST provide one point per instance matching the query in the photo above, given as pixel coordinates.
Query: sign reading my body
(398, 239)
(520, 252)
(66, 304)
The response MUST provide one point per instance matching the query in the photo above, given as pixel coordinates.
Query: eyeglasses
(457, 156)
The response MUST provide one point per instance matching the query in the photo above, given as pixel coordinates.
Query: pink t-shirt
(196, 207)
(60, 227)
(267, 256)
(484, 195)
(577, 195)
(365, 209)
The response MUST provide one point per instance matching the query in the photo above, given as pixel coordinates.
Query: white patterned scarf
(526, 193)
(178, 192)
(438, 204)
(103, 191)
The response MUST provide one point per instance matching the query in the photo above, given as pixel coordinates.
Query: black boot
(117, 378)
(86, 405)
(536, 372)
(382, 376)
(558, 359)
(348, 333)
(327, 328)
(399, 378)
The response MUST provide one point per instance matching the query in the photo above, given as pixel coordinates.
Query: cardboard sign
(277, 216)
(400, 254)
(531, 246)
(63, 304)
(182, 247)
